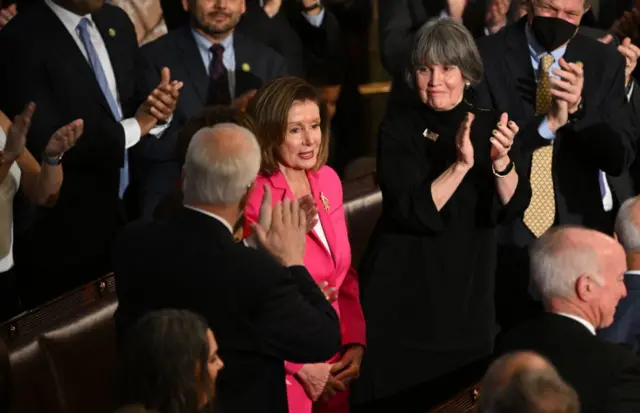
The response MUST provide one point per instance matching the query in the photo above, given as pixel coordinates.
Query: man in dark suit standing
(218, 66)
(567, 94)
(77, 59)
(580, 274)
(260, 312)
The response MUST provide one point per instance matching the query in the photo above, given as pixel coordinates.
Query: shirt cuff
(544, 130)
(631, 87)
(131, 132)
(315, 21)
(159, 130)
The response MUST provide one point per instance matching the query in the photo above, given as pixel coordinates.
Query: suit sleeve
(296, 321)
(405, 181)
(624, 394)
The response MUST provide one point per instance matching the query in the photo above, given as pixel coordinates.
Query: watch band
(53, 161)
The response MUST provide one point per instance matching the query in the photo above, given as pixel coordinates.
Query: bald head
(221, 164)
(628, 225)
(525, 382)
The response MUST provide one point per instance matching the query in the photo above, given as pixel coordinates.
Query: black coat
(261, 313)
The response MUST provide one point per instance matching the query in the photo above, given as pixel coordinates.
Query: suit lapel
(66, 52)
(324, 205)
(245, 73)
(190, 56)
(519, 64)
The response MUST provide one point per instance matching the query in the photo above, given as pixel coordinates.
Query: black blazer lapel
(68, 57)
(190, 57)
(246, 76)
(518, 63)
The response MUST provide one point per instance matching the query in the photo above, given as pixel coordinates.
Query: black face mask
(552, 32)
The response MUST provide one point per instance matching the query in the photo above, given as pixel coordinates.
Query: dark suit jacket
(606, 376)
(52, 71)
(157, 171)
(260, 312)
(601, 139)
(626, 327)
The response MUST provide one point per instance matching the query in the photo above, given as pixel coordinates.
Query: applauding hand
(17, 135)
(463, 142)
(160, 103)
(501, 141)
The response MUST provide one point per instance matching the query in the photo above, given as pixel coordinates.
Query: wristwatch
(314, 6)
(52, 160)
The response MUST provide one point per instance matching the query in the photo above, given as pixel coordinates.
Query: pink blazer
(334, 268)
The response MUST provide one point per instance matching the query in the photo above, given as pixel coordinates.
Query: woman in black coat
(448, 178)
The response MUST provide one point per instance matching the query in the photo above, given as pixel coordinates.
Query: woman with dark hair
(169, 363)
(448, 177)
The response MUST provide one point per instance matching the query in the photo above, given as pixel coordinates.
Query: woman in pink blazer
(292, 129)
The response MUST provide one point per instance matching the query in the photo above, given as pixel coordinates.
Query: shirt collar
(633, 272)
(212, 215)
(68, 18)
(205, 44)
(536, 51)
(580, 320)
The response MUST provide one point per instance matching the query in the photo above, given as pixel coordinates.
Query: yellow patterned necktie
(541, 213)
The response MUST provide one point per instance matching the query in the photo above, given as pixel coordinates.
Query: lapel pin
(246, 67)
(432, 136)
(112, 32)
(325, 202)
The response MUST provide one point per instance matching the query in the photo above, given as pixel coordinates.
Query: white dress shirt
(70, 21)
(8, 189)
(580, 320)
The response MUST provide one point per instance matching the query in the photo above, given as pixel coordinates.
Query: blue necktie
(98, 70)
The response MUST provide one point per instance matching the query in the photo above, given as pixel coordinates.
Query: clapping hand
(308, 205)
(285, 237)
(17, 135)
(64, 139)
(463, 142)
(502, 139)
(7, 14)
(160, 103)
(630, 51)
(569, 87)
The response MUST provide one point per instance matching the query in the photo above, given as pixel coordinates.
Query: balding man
(262, 311)
(525, 382)
(626, 327)
(580, 274)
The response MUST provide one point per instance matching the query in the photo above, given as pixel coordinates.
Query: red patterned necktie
(218, 78)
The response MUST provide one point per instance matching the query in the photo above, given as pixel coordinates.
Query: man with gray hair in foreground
(525, 382)
(626, 327)
(579, 273)
(262, 304)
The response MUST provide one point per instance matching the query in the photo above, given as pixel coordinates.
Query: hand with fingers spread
(308, 205)
(160, 104)
(17, 135)
(285, 239)
(463, 142)
(501, 142)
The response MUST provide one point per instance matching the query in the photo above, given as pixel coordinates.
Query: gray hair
(626, 227)
(221, 164)
(527, 390)
(557, 263)
(446, 42)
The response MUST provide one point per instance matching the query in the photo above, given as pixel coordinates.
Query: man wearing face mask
(568, 91)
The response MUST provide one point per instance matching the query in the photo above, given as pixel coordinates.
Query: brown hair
(210, 116)
(270, 109)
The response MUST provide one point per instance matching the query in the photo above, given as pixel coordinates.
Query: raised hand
(569, 87)
(308, 205)
(285, 238)
(17, 135)
(160, 103)
(64, 139)
(502, 138)
(463, 142)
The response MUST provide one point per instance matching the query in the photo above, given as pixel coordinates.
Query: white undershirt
(320, 233)
(6, 262)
